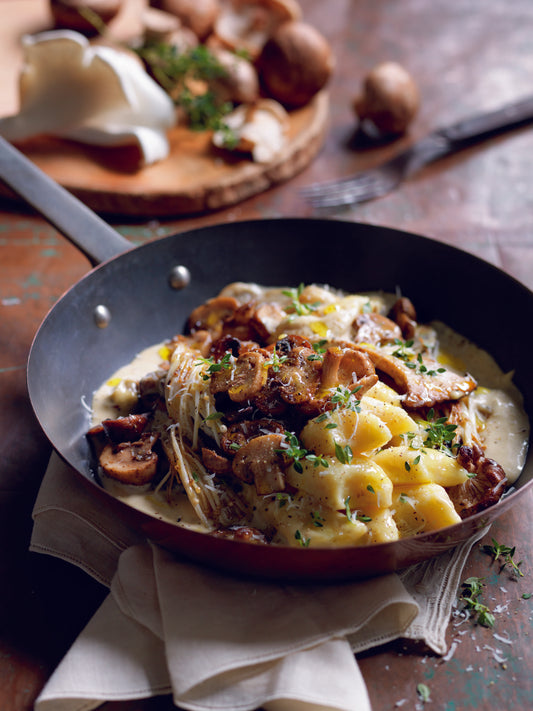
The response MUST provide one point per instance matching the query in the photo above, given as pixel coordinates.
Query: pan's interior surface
(71, 356)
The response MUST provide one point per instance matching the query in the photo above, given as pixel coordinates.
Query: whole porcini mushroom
(83, 15)
(296, 62)
(390, 99)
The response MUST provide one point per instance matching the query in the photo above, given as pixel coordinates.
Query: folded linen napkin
(214, 642)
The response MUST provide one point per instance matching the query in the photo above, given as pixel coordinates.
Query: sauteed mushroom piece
(133, 463)
(423, 381)
(481, 490)
(260, 462)
(242, 381)
(404, 313)
(376, 329)
(349, 368)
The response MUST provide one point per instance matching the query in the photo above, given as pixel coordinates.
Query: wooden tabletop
(467, 56)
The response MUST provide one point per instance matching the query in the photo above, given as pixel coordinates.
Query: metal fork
(376, 182)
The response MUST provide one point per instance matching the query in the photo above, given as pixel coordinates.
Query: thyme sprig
(471, 590)
(440, 434)
(300, 308)
(225, 363)
(187, 77)
(294, 450)
(504, 554)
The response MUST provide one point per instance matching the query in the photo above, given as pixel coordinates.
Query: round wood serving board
(194, 178)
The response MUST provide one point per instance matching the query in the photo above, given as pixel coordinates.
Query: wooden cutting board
(194, 178)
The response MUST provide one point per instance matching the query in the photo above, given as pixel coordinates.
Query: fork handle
(488, 124)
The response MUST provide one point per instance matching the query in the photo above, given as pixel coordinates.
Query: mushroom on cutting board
(259, 130)
(295, 63)
(246, 25)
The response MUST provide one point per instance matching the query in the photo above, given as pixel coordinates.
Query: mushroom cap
(68, 14)
(296, 62)
(247, 24)
(390, 98)
(240, 83)
(197, 15)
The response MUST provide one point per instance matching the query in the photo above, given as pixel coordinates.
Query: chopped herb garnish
(440, 434)
(472, 588)
(370, 488)
(317, 519)
(300, 308)
(282, 499)
(505, 554)
(345, 398)
(214, 416)
(296, 452)
(214, 367)
(343, 454)
(353, 516)
(423, 692)
(318, 460)
(319, 346)
(526, 596)
(181, 74)
(304, 542)
(275, 361)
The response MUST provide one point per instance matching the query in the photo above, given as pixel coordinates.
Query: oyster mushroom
(389, 100)
(247, 24)
(259, 129)
(91, 94)
(295, 63)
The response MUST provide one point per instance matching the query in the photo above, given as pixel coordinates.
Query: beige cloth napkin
(215, 643)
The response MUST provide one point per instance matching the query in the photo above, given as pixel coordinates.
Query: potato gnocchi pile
(305, 417)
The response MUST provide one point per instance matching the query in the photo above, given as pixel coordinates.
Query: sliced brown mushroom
(483, 489)
(211, 315)
(243, 380)
(241, 533)
(404, 314)
(240, 433)
(260, 462)
(266, 318)
(133, 463)
(299, 376)
(215, 462)
(347, 367)
(376, 329)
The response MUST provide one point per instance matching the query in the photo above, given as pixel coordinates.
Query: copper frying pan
(139, 296)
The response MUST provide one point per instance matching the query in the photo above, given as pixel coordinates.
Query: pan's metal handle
(92, 235)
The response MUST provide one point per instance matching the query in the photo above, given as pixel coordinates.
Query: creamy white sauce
(506, 432)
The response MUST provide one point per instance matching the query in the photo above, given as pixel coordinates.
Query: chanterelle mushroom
(91, 94)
